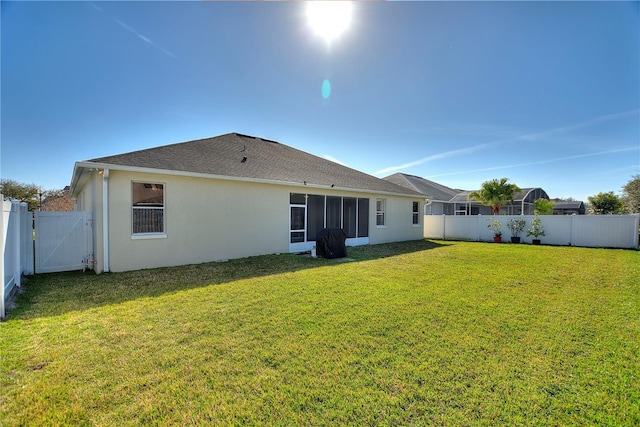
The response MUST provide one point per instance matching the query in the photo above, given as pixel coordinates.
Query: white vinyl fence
(64, 241)
(596, 231)
(16, 236)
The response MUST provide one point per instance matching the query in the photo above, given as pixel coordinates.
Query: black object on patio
(330, 243)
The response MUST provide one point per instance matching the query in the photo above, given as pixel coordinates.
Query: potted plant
(537, 229)
(495, 227)
(516, 226)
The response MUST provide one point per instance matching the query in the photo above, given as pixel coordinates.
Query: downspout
(105, 219)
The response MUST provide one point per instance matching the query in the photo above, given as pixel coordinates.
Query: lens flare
(326, 89)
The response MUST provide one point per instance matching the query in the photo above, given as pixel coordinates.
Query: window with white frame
(147, 208)
(416, 213)
(381, 208)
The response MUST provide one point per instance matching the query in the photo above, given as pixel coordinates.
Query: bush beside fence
(596, 231)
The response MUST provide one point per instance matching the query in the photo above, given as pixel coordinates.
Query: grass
(415, 333)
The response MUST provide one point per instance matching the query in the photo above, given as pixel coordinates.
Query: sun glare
(329, 19)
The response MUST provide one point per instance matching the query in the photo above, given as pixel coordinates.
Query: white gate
(64, 241)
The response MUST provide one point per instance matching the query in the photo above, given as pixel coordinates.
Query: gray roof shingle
(430, 189)
(243, 156)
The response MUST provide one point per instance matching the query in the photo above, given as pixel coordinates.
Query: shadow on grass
(55, 294)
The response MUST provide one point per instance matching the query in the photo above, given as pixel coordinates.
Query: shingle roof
(464, 195)
(243, 156)
(568, 205)
(429, 189)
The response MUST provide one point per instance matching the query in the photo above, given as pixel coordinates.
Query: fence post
(572, 230)
(17, 251)
(26, 239)
(444, 227)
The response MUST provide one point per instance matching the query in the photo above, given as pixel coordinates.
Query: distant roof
(429, 189)
(568, 205)
(249, 157)
(518, 197)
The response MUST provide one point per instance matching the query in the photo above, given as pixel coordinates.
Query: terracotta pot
(497, 239)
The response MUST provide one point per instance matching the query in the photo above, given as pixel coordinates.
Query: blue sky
(546, 94)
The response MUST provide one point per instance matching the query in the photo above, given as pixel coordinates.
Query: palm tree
(495, 193)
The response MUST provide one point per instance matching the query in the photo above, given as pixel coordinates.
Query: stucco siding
(206, 220)
(89, 199)
(398, 225)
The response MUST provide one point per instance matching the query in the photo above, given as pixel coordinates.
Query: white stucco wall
(399, 226)
(89, 199)
(206, 220)
(210, 219)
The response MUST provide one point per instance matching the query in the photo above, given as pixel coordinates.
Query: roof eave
(81, 173)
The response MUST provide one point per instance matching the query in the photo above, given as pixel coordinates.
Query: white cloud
(132, 30)
(540, 162)
(533, 136)
(143, 37)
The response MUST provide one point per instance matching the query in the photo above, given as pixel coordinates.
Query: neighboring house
(562, 207)
(231, 196)
(437, 196)
(58, 201)
(522, 204)
(448, 201)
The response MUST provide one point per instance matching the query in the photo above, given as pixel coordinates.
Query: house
(231, 196)
(437, 196)
(568, 207)
(522, 203)
(442, 200)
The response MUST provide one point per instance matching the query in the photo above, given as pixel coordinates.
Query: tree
(605, 204)
(57, 201)
(631, 195)
(28, 193)
(544, 206)
(495, 193)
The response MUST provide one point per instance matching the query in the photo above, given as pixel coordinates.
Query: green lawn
(416, 333)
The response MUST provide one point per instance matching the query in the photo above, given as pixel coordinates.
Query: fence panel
(557, 229)
(609, 231)
(63, 241)
(461, 227)
(434, 226)
(606, 231)
(26, 240)
(17, 247)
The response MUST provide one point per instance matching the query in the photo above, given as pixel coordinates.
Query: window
(416, 213)
(148, 208)
(380, 211)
